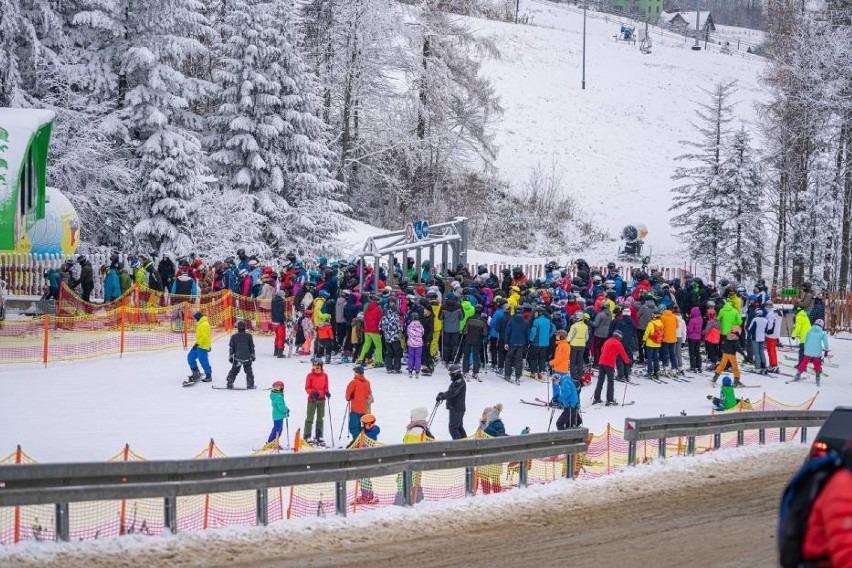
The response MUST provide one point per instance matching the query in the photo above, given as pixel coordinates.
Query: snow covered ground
(616, 140)
(87, 410)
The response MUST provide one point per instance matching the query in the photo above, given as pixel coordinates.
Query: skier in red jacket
(612, 349)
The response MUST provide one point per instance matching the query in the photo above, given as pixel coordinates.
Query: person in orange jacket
(560, 363)
(359, 395)
(670, 344)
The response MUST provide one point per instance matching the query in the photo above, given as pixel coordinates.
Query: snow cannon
(627, 33)
(634, 232)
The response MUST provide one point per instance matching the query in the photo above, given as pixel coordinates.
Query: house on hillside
(685, 21)
(645, 9)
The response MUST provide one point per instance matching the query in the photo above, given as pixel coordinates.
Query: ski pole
(342, 424)
(330, 425)
(434, 411)
(624, 396)
(287, 425)
(552, 412)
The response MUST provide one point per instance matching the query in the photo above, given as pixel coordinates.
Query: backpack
(657, 335)
(798, 500)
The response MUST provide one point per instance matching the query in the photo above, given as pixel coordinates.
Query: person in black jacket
(241, 354)
(624, 324)
(278, 324)
(86, 281)
(427, 320)
(455, 397)
(474, 336)
(166, 270)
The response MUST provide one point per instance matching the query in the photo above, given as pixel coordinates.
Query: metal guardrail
(638, 429)
(66, 483)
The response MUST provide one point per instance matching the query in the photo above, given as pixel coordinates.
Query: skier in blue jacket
(569, 399)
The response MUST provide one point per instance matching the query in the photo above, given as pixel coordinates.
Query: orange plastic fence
(141, 320)
(606, 455)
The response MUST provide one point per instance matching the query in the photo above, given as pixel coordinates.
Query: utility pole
(585, 3)
(517, 7)
(697, 47)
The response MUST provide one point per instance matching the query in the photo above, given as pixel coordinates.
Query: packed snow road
(714, 510)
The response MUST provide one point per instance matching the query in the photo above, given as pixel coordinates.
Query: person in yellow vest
(416, 432)
(514, 299)
(199, 352)
(578, 335)
(437, 324)
(653, 338)
(800, 330)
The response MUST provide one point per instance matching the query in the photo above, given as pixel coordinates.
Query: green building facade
(646, 9)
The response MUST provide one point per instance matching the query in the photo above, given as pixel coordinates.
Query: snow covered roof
(689, 17)
(17, 128)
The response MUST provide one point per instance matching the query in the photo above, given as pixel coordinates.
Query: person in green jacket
(726, 399)
(124, 279)
(467, 312)
(728, 317)
(279, 412)
(800, 330)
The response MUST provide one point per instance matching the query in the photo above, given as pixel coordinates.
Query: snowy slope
(617, 140)
(88, 410)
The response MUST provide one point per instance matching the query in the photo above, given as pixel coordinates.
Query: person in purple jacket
(693, 339)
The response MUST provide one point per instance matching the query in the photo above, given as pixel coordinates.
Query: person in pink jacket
(694, 329)
(415, 345)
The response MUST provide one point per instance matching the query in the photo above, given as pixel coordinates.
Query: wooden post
(608, 433)
(46, 335)
(17, 535)
(296, 444)
(123, 509)
(204, 522)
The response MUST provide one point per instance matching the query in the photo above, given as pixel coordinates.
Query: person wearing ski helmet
(316, 387)
(455, 398)
(726, 399)
(359, 395)
(279, 412)
(241, 355)
(816, 347)
(730, 346)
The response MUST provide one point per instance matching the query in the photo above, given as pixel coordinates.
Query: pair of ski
(825, 363)
(540, 403)
(599, 405)
(657, 380)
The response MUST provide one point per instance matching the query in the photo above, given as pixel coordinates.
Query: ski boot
(344, 359)
(772, 369)
(476, 378)
(596, 401)
(797, 378)
(207, 379)
(229, 386)
(715, 377)
(817, 377)
(410, 374)
(611, 403)
(196, 374)
(417, 375)
(738, 384)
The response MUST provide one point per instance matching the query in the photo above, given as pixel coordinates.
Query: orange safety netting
(128, 326)
(607, 454)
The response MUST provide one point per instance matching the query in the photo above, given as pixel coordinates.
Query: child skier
(359, 395)
(199, 352)
(316, 386)
(569, 399)
(726, 399)
(279, 413)
(729, 356)
(325, 338)
(241, 354)
(816, 347)
(712, 338)
(414, 344)
(560, 364)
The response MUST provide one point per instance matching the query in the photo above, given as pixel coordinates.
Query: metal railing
(638, 429)
(61, 484)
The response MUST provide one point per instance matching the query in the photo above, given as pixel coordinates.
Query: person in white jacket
(681, 336)
(774, 322)
(757, 334)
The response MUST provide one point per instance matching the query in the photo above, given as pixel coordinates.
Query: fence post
(570, 465)
(170, 514)
(62, 524)
(17, 535)
(717, 441)
(690, 445)
(661, 447)
(204, 521)
(803, 435)
(262, 506)
(608, 431)
(783, 434)
(125, 453)
(631, 453)
(121, 316)
(407, 488)
(740, 437)
(523, 472)
(340, 498)
(469, 481)
(761, 436)
(46, 335)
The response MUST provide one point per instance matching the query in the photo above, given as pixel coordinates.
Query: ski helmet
(455, 371)
(316, 362)
(726, 381)
(278, 385)
(611, 266)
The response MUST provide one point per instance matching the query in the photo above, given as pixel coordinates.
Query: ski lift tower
(421, 238)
